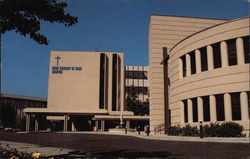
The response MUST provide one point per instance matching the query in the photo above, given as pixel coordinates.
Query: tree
(24, 16)
(135, 105)
(8, 116)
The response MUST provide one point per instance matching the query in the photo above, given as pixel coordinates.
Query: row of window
(136, 90)
(136, 74)
(232, 56)
(22, 103)
(220, 111)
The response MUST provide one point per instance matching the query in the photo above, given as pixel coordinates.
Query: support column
(27, 122)
(102, 125)
(128, 124)
(188, 65)
(200, 109)
(198, 61)
(244, 106)
(65, 128)
(213, 111)
(190, 111)
(36, 125)
(180, 68)
(240, 51)
(210, 57)
(228, 107)
(224, 55)
(96, 125)
(182, 116)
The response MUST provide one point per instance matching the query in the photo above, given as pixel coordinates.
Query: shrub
(226, 129)
(230, 129)
(174, 130)
(190, 131)
(211, 130)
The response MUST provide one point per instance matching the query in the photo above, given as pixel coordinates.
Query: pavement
(72, 145)
(164, 137)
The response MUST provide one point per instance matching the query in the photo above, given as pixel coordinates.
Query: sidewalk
(174, 138)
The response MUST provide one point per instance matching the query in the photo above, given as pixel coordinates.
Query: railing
(158, 129)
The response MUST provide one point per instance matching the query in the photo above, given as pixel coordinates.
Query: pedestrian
(138, 129)
(147, 130)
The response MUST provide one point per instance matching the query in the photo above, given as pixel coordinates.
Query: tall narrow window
(184, 66)
(246, 49)
(220, 107)
(193, 65)
(206, 108)
(195, 110)
(185, 111)
(248, 99)
(107, 82)
(119, 83)
(232, 55)
(114, 82)
(217, 55)
(236, 110)
(102, 81)
(204, 66)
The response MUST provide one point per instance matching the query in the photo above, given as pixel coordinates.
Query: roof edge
(187, 17)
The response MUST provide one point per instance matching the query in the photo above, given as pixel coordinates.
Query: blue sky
(110, 25)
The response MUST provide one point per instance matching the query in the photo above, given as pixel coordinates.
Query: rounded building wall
(209, 75)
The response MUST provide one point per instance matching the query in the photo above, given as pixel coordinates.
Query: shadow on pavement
(122, 154)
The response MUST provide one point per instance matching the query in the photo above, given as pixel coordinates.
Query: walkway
(107, 145)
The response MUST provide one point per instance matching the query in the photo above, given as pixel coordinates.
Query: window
(195, 110)
(220, 107)
(246, 44)
(193, 65)
(231, 49)
(217, 55)
(235, 102)
(102, 81)
(206, 108)
(135, 74)
(248, 99)
(184, 66)
(185, 111)
(204, 66)
(114, 82)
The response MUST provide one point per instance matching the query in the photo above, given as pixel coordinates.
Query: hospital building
(198, 71)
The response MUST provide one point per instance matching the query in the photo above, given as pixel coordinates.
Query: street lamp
(201, 129)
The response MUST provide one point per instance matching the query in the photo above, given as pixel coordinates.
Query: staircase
(159, 129)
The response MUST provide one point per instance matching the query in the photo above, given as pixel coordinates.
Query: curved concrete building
(207, 76)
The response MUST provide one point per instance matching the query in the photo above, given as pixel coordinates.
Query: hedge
(226, 129)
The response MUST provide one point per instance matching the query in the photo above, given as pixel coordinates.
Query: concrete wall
(224, 80)
(78, 90)
(166, 31)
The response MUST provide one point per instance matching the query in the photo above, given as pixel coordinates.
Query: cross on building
(57, 59)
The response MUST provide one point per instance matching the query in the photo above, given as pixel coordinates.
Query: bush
(12, 153)
(227, 129)
(174, 130)
(211, 130)
(230, 129)
(190, 131)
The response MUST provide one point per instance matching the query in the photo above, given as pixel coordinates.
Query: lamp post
(201, 129)
(0, 63)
